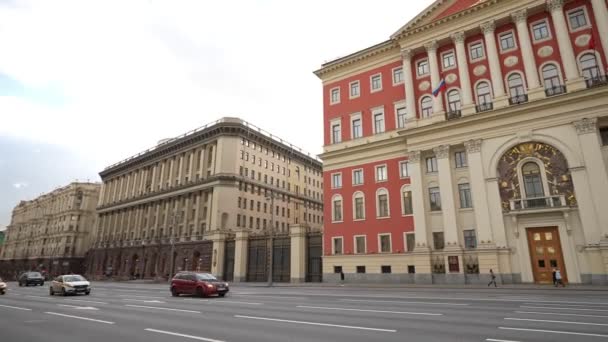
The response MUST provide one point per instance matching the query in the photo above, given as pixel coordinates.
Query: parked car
(2, 287)
(31, 278)
(70, 284)
(199, 284)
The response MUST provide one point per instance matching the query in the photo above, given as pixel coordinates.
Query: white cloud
(20, 185)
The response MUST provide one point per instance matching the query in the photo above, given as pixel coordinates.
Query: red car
(199, 284)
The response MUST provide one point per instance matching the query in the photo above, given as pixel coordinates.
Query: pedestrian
(558, 278)
(554, 278)
(341, 278)
(493, 279)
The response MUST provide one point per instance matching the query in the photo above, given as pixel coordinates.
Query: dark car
(199, 284)
(31, 278)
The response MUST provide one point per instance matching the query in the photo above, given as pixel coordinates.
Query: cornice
(356, 57)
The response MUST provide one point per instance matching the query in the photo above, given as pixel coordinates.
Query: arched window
(454, 101)
(358, 206)
(484, 98)
(382, 208)
(336, 208)
(426, 107)
(406, 201)
(589, 66)
(553, 85)
(516, 86)
(533, 184)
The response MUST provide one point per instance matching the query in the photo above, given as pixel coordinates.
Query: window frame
(377, 112)
(549, 31)
(407, 169)
(489, 94)
(513, 37)
(354, 117)
(394, 72)
(449, 103)
(331, 95)
(465, 238)
(435, 167)
(406, 189)
(333, 175)
(470, 51)
(435, 241)
(464, 161)
(333, 123)
(585, 15)
(355, 250)
(429, 109)
(350, 89)
(428, 67)
(381, 192)
(405, 247)
(333, 245)
(522, 85)
(356, 195)
(385, 173)
(434, 195)
(335, 198)
(468, 200)
(443, 55)
(558, 76)
(397, 106)
(371, 83)
(390, 243)
(353, 177)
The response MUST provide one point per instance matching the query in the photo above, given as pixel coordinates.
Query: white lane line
(195, 299)
(30, 296)
(573, 305)
(558, 308)
(78, 317)
(220, 301)
(401, 302)
(368, 310)
(159, 308)
(558, 314)
(553, 332)
(273, 297)
(314, 323)
(494, 340)
(551, 321)
(15, 307)
(144, 301)
(183, 335)
(79, 307)
(85, 301)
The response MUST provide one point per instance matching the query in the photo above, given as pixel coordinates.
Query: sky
(85, 84)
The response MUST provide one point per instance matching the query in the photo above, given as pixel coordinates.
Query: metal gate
(229, 261)
(314, 262)
(256, 260)
(281, 265)
(205, 249)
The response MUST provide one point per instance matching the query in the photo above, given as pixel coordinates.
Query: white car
(70, 284)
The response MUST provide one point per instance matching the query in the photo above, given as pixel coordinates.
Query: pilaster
(500, 99)
(431, 48)
(217, 257)
(410, 97)
(241, 248)
(420, 229)
(468, 106)
(535, 91)
(298, 253)
(446, 188)
(479, 195)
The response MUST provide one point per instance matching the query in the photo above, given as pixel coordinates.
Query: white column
(495, 208)
(478, 194)
(573, 79)
(446, 189)
(431, 49)
(410, 97)
(495, 71)
(600, 11)
(521, 22)
(418, 201)
(463, 73)
(586, 207)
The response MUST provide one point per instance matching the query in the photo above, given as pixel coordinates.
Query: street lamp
(271, 197)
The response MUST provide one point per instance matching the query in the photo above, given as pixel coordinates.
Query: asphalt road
(145, 312)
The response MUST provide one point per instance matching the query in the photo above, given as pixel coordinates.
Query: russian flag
(442, 86)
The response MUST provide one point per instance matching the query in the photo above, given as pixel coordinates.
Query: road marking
(234, 302)
(550, 321)
(85, 301)
(401, 302)
(558, 314)
(15, 307)
(183, 335)
(142, 296)
(159, 308)
(494, 340)
(79, 307)
(558, 308)
(30, 296)
(271, 296)
(573, 305)
(554, 332)
(314, 323)
(367, 310)
(143, 300)
(196, 299)
(78, 317)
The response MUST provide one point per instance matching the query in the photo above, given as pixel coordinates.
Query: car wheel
(222, 294)
(51, 292)
(199, 292)
(20, 284)
(42, 284)
(87, 293)
(174, 292)
(63, 293)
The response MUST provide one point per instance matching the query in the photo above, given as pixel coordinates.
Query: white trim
(549, 30)
(418, 76)
(405, 188)
(453, 52)
(420, 106)
(587, 18)
(476, 97)
(543, 176)
(393, 75)
(371, 83)
(350, 94)
(446, 97)
(396, 106)
(523, 79)
(334, 198)
(331, 98)
(333, 245)
(353, 117)
(375, 111)
(358, 194)
(376, 173)
(407, 168)
(332, 180)
(383, 191)
(353, 177)
(405, 234)
(598, 60)
(515, 46)
(483, 49)
(355, 244)
(390, 243)
(559, 72)
(332, 123)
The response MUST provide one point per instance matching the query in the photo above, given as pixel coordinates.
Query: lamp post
(271, 197)
(172, 219)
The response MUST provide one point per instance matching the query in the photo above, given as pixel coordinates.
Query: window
(476, 50)
(464, 191)
(385, 269)
(397, 75)
(604, 135)
(577, 19)
(381, 173)
(435, 199)
(358, 177)
(360, 269)
(385, 243)
(589, 66)
(551, 77)
(507, 41)
(438, 242)
(431, 164)
(354, 89)
(404, 169)
(401, 117)
(378, 122)
(410, 241)
(337, 209)
(360, 244)
(336, 133)
(483, 93)
(337, 245)
(336, 180)
(460, 159)
(407, 202)
(516, 85)
(423, 67)
(359, 205)
(376, 82)
(382, 203)
(540, 30)
(449, 60)
(454, 101)
(337, 269)
(357, 129)
(470, 240)
(426, 106)
(532, 180)
(335, 96)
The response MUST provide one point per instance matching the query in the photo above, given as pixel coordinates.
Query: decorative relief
(555, 5)
(413, 156)
(442, 151)
(480, 70)
(406, 54)
(458, 37)
(545, 51)
(451, 78)
(473, 146)
(582, 40)
(520, 16)
(510, 61)
(431, 46)
(586, 125)
(556, 168)
(488, 27)
(424, 85)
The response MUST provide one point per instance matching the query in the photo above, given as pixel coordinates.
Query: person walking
(493, 277)
(558, 278)
(341, 278)
(554, 278)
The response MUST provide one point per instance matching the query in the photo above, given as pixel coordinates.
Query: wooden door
(546, 254)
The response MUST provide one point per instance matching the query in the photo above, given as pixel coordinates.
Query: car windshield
(205, 276)
(34, 275)
(73, 278)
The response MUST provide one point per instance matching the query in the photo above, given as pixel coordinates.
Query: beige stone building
(51, 233)
(184, 200)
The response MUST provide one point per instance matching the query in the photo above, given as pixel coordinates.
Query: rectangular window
(360, 269)
(604, 135)
(358, 177)
(385, 269)
(460, 159)
(410, 241)
(337, 210)
(577, 19)
(404, 169)
(336, 134)
(359, 209)
(398, 75)
(431, 164)
(464, 191)
(383, 205)
(507, 41)
(438, 242)
(360, 245)
(470, 240)
(381, 173)
(423, 67)
(338, 245)
(335, 96)
(407, 203)
(355, 89)
(337, 269)
(449, 60)
(385, 243)
(376, 82)
(435, 199)
(476, 50)
(357, 128)
(540, 30)
(378, 123)
(336, 180)
(401, 117)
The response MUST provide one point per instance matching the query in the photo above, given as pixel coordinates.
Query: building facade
(51, 233)
(474, 139)
(180, 205)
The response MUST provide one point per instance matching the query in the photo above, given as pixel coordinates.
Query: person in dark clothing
(341, 277)
(554, 279)
(493, 281)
